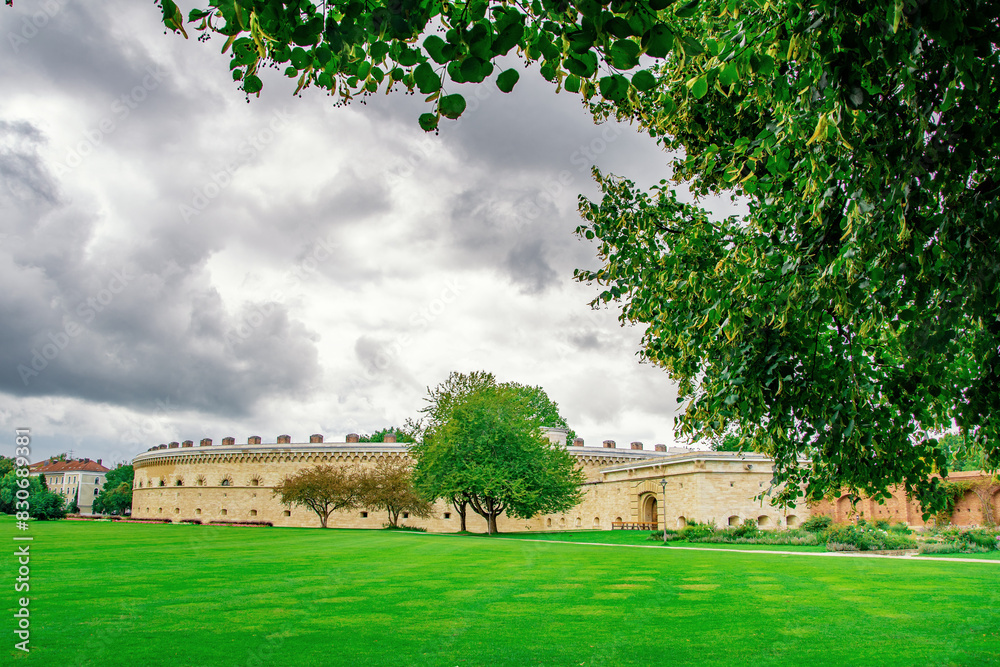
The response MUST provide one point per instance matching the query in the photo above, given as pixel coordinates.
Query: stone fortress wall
(234, 483)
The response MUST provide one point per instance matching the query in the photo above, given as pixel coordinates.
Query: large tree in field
(853, 309)
(484, 446)
(323, 488)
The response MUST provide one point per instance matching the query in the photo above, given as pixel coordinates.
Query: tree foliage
(853, 309)
(323, 488)
(484, 447)
(408, 432)
(116, 495)
(388, 486)
(41, 503)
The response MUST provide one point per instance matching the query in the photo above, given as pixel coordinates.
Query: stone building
(82, 479)
(234, 482)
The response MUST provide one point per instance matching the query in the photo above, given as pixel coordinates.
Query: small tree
(323, 489)
(388, 486)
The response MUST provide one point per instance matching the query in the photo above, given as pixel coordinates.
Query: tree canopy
(852, 311)
(484, 447)
(322, 488)
(388, 486)
(116, 495)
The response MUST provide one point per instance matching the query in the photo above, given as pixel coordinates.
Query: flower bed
(240, 523)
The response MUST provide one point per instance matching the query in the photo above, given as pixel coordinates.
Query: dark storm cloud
(529, 269)
(119, 323)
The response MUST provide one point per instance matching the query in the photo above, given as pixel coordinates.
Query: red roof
(84, 465)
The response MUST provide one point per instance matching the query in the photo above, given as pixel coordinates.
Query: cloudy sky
(177, 263)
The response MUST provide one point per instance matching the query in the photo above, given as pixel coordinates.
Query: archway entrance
(649, 512)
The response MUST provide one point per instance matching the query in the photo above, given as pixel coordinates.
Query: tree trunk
(492, 529)
(461, 508)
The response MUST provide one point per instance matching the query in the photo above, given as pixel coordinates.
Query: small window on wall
(177, 510)
(223, 512)
(198, 511)
(253, 512)
(406, 515)
(447, 515)
(225, 482)
(95, 492)
(364, 515)
(162, 483)
(287, 513)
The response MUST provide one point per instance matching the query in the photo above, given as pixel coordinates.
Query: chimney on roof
(660, 448)
(578, 442)
(253, 440)
(228, 442)
(637, 445)
(353, 437)
(206, 442)
(98, 461)
(389, 437)
(316, 438)
(284, 439)
(174, 445)
(609, 444)
(188, 443)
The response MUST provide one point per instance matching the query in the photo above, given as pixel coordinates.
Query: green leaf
(582, 65)
(700, 86)
(507, 79)
(451, 106)
(435, 47)
(572, 84)
(252, 84)
(428, 122)
(624, 54)
(644, 80)
(426, 79)
(658, 41)
(728, 75)
(614, 88)
(687, 10)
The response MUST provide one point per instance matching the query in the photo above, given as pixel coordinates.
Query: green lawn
(130, 594)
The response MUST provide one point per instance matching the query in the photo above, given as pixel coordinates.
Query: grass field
(114, 594)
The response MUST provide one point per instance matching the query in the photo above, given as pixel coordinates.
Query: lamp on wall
(663, 485)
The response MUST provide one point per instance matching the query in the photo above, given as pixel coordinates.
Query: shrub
(940, 547)
(974, 540)
(777, 537)
(817, 524)
(416, 529)
(695, 530)
(220, 522)
(837, 546)
(867, 538)
(195, 521)
(900, 527)
(672, 536)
